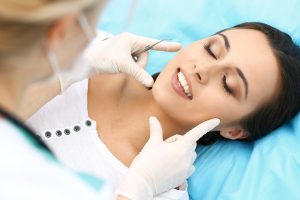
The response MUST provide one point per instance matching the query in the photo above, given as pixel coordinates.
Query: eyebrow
(242, 76)
(238, 70)
(227, 44)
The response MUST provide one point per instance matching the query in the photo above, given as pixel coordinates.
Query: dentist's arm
(161, 165)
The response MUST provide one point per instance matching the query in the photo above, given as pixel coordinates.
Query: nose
(201, 74)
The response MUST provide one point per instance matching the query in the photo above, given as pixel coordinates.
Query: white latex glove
(113, 55)
(161, 165)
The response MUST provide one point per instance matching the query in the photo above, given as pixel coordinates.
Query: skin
(117, 106)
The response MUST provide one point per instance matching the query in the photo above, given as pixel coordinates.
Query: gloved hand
(162, 166)
(113, 55)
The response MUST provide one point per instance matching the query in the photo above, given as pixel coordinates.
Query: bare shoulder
(106, 91)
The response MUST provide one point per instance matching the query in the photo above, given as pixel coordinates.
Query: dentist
(38, 41)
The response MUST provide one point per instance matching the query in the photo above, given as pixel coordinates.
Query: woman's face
(228, 76)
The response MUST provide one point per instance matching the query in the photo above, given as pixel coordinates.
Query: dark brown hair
(281, 109)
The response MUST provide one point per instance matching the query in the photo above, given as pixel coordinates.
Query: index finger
(161, 46)
(197, 132)
(167, 46)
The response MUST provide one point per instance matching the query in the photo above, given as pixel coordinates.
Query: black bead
(48, 134)
(67, 131)
(76, 128)
(88, 123)
(58, 133)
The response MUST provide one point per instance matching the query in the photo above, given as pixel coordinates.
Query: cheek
(183, 112)
(213, 102)
(227, 110)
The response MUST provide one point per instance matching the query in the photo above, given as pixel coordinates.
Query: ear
(234, 133)
(58, 31)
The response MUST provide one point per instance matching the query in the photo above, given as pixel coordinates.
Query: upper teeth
(184, 84)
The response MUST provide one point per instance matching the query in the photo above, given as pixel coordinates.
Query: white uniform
(66, 128)
(29, 172)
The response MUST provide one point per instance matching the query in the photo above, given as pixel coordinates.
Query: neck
(12, 86)
(122, 109)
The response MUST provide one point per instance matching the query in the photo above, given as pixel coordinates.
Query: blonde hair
(23, 22)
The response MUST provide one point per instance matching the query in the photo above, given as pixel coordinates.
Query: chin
(168, 101)
(160, 90)
(165, 101)
(158, 94)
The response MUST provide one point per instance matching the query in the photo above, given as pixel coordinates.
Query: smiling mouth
(184, 84)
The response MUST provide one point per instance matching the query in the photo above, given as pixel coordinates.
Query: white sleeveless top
(64, 125)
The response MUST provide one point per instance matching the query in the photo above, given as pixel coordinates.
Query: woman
(246, 75)
(53, 34)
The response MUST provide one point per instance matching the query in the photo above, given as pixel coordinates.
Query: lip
(177, 87)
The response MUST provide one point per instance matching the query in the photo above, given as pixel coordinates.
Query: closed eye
(226, 87)
(207, 48)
